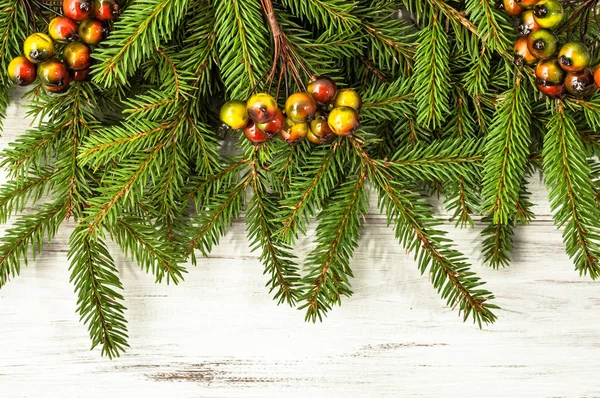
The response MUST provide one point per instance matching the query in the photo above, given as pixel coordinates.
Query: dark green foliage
(572, 193)
(139, 155)
(97, 284)
(507, 148)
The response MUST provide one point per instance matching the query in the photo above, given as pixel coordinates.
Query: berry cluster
(82, 26)
(317, 114)
(559, 70)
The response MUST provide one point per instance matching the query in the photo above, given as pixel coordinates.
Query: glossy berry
(300, 107)
(92, 31)
(522, 54)
(254, 134)
(323, 90)
(63, 30)
(38, 48)
(343, 120)
(21, 71)
(78, 10)
(527, 4)
(77, 56)
(106, 10)
(348, 97)
(234, 114)
(542, 43)
(549, 73)
(528, 23)
(320, 131)
(550, 78)
(512, 8)
(597, 77)
(54, 76)
(273, 126)
(548, 13)
(261, 108)
(581, 83)
(556, 91)
(293, 132)
(574, 56)
(81, 75)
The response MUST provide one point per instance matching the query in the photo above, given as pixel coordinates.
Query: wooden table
(219, 334)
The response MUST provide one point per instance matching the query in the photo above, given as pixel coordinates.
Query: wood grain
(219, 334)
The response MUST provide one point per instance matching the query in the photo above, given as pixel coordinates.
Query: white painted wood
(220, 335)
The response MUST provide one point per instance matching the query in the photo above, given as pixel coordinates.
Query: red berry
(92, 31)
(254, 134)
(54, 76)
(348, 97)
(528, 23)
(522, 53)
(581, 83)
(81, 75)
(323, 90)
(320, 131)
(261, 107)
(293, 132)
(77, 9)
(300, 107)
(38, 48)
(553, 91)
(273, 126)
(63, 30)
(343, 120)
(22, 71)
(77, 56)
(512, 8)
(106, 10)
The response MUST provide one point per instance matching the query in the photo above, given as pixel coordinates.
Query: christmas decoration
(321, 101)
(63, 30)
(22, 71)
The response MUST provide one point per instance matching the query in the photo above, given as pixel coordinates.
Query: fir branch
(431, 71)
(337, 238)
(98, 287)
(572, 195)
(416, 230)
(388, 101)
(216, 217)
(498, 238)
(199, 46)
(335, 15)
(15, 194)
(141, 29)
(4, 101)
(276, 255)
(441, 160)
(590, 109)
(139, 239)
(243, 51)
(26, 236)
(205, 188)
(462, 198)
(492, 24)
(307, 193)
(476, 80)
(122, 183)
(391, 42)
(13, 31)
(32, 149)
(497, 243)
(507, 149)
(462, 124)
